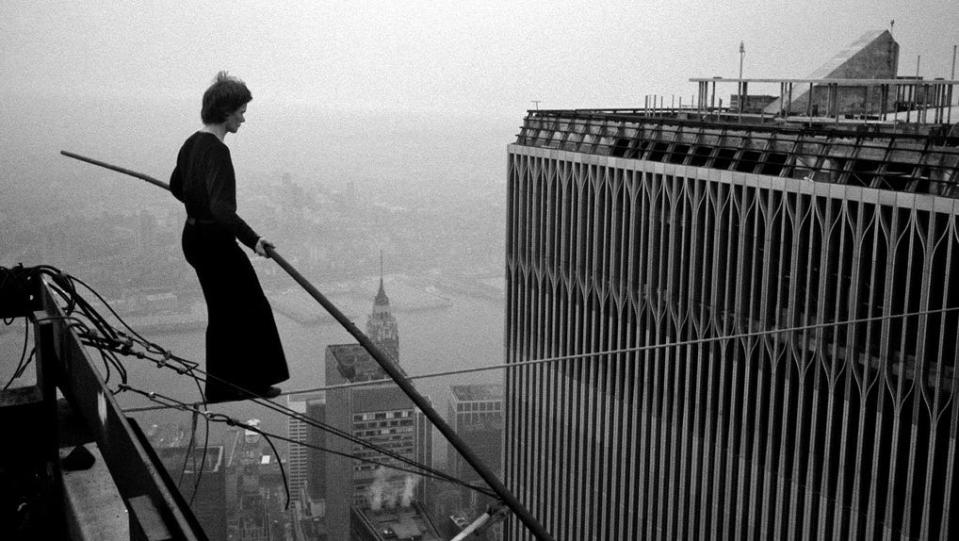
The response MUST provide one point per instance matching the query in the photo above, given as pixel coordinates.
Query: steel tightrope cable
(200, 375)
(220, 417)
(635, 349)
(215, 417)
(115, 341)
(97, 332)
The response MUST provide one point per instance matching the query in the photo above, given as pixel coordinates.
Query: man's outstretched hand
(261, 246)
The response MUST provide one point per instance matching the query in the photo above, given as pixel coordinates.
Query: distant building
(381, 326)
(746, 318)
(476, 415)
(255, 495)
(202, 481)
(382, 415)
(379, 413)
(307, 464)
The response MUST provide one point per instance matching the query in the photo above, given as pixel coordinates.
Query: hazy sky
(476, 56)
(121, 81)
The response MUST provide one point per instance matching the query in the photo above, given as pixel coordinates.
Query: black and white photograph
(479, 271)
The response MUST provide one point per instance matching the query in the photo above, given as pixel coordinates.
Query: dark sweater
(204, 180)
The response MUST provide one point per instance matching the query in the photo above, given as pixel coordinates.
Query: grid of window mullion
(685, 399)
(540, 498)
(553, 400)
(653, 359)
(510, 330)
(752, 416)
(569, 450)
(948, 241)
(676, 359)
(712, 435)
(604, 364)
(594, 389)
(610, 437)
(644, 441)
(588, 381)
(800, 444)
(918, 441)
(672, 358)
(739, 275)
(755, 383)
(623, 460)
(548, 441)
(666, 358)
(631, 244)
(881, 510)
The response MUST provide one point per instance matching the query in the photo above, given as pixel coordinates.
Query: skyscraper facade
(199, 474)
(379, 413)
(307, 464)
(476, 415)
(732, 327)
(254, 488)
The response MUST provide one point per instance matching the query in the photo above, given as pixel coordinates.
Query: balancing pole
(385, 363)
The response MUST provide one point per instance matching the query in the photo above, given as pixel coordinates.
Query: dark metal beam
(125, 454)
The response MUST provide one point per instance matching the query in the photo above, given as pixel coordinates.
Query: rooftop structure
(354, 363)
(875, 55)
(477, 392)
(405, 523)
(885, 156)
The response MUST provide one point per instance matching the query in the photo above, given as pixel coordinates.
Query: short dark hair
(225, 95)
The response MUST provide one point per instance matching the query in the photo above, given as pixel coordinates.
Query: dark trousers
(242, 344)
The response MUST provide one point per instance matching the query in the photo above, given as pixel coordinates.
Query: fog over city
(406, 96)
(376, 129)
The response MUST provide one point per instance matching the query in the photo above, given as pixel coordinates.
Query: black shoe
(233, 395)
(78, 459)
(269, 392)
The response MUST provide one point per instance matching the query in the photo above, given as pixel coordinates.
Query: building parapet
(923, 159)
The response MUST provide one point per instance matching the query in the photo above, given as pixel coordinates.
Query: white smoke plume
(390, 495)
(383, 493)
(378, 488)
(409, 485)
